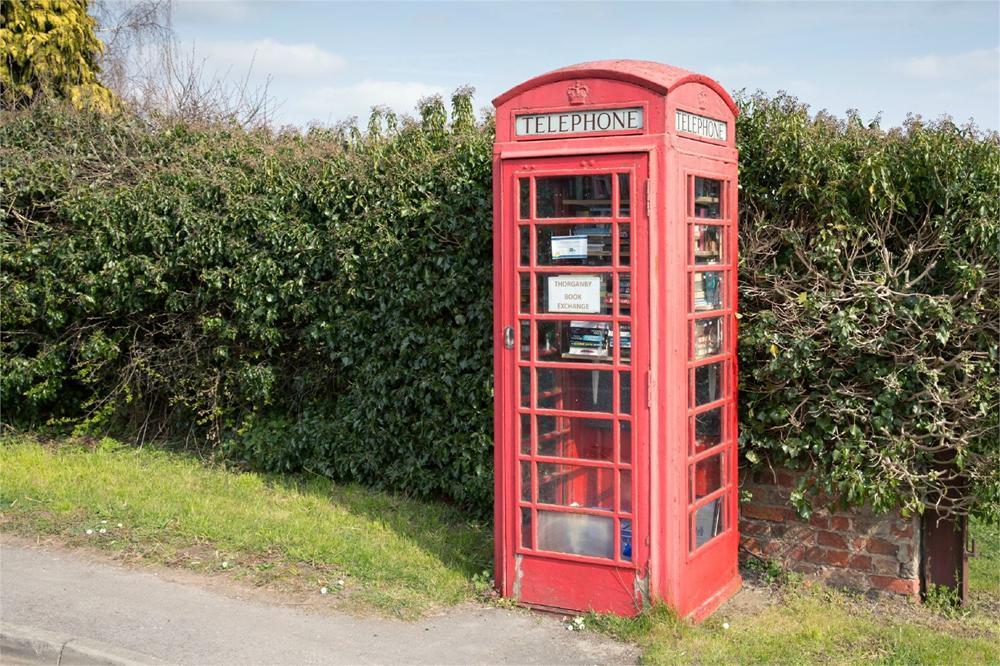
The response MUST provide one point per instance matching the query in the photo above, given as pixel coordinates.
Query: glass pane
(626, 491)
(707, 337)
(525, 288)
(573, 196)
(706, 288)
(707, 477)
(707, 383)
(576, 340)
(626, 343)
(526, 528)
(524, 233)
(525, 387)
(707, 429)
(525, 481)
(626, 538)
(707, 198)
(709, 521)
(567, 437)
(576, 533)
(572, 485)
(625, 397)
(624, 195)
(526, 434)
(574, 294)
(524, 198)
(625, 442)
(574, 244)
(707, 241)
(625, 294)
(624, 245)
(525, 342)
(575, 390)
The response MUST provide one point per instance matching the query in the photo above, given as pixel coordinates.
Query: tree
(49, 47)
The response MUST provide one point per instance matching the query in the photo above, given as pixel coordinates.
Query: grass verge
(368, 549)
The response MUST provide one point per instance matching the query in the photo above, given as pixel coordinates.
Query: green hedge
(323, 301)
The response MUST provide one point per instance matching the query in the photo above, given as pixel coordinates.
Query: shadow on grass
(462, 543)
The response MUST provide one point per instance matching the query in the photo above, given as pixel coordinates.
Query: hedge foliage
(322, 301)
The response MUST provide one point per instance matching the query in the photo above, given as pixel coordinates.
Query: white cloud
(334, 103)
(268, 57)
(975, 64)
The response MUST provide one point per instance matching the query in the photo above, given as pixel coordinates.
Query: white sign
(574, 293)
(579, 122)
(710, 128)
(569, 247)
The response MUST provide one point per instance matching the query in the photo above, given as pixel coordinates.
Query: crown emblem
(577, 93)
(702, 99)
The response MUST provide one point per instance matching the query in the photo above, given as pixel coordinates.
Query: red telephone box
(615, 187)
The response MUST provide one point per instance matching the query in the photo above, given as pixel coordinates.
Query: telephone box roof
(656, 76)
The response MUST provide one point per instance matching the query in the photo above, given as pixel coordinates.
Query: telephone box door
(575, 366)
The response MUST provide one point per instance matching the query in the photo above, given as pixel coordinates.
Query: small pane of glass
(626, 538)
(706, 289)
(574, 244)
(625, 442)
(525, 342)
(707, 429)
(625, 294)
(525, 295)
(576, 534)
(707, 243)
(573, 196)
(576, 486)
(526, 528)
(624, 245)
(526, 434)
(625, 395)
(709, 521)
(626, 491)
(626, 343)
(624, 195)
(707, 383)
(524, 198)
(707, 337)
(524, 233)
(707, 477)
(574, 294)
(579, 341)
(525, 387)
(575, 390)
(568, 437)
(525, 481)
(707, 198)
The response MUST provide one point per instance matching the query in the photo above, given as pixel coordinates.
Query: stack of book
(589, 338)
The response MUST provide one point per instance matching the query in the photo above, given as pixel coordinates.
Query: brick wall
(854, 549)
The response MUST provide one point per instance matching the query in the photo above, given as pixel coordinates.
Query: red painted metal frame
(692, 580)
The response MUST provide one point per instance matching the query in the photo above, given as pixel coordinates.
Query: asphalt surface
(185, 623)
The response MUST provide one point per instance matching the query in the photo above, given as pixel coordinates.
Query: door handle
(508, 337)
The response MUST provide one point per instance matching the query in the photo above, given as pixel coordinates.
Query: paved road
(185, 623)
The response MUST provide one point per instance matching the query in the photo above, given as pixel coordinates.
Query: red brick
(842, 523)
(752, 527)
(785, 479)
(772, 513)
(820, 521)
(909, 587)
(831, 539)
(860, 562)
(877, 546)
(836, 558)
(772, 547)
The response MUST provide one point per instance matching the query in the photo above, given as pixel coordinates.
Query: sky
(326, 61)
